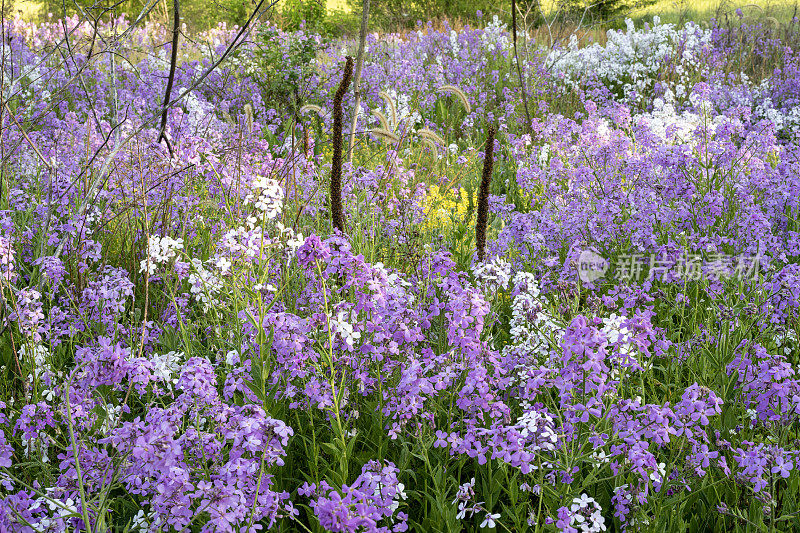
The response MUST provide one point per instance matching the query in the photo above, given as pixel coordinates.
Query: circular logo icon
(591, 266)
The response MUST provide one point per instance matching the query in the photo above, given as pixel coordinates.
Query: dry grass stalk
(461, 95)
(381, 118)
(248, 114)
(425, 133)
(432, 145)
(311, 107)
(385, 134)
(392, 109)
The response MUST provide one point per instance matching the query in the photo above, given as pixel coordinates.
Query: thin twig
(362, 38)
(528, 122)
(173, 63)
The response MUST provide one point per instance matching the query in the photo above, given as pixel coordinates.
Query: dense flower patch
(188, 344)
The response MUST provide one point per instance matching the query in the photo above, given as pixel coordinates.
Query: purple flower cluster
(187, 344)
(371, 503)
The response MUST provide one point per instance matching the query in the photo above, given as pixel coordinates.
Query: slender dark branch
(173, 63)
(337, 211)
(26, 137)
(362, 39)
(528, 123)
(483, 195)
(71, 54)
(232, 46)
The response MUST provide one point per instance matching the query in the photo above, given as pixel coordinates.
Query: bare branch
(176, 32)
(362, 37)
(528, 123)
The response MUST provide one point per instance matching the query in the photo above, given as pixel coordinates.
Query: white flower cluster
(495, 36)
(113, 413)
(533, 330)
(380, 490)
(294, 240)
(599, 458)
(253, 245)
(389, 283)
(232, 358)
(619, 336)
(586, 515)
(267, 198)
(633, 60)
(537, 428)
(159, 61)
(159, 251)
(454, 42)
(197, 111)
(400, 495)
(493, 275)
(787, 340)
(28, 313)
(489, 520)
(167, 367)
(145, 522)
(405, 113)
(465, 497)
(614, 330)
(465, 494)
(344, 330)
(669, 125)
(657, 476)
(61, 510)
(544, 156)
(205, 285)
(787, 119)
(37, 446)
(8, 270)
(223, 265)
(248, 244)
(37, 354)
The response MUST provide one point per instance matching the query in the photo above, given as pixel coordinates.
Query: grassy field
(672, 11)
(679, 11)
(675, 11)
(703, 10)
(30, 9)
(338, 5)
(26, 8)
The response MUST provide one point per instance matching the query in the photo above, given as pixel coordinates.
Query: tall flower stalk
(483, 195)
(337, 212)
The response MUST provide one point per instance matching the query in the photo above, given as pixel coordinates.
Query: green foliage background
(341, 17)
(331, 17)
(402, 13)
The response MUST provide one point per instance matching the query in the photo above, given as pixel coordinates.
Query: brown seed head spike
(337, 211)
(483, 195)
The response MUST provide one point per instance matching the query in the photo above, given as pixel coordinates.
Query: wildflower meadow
(455, 278)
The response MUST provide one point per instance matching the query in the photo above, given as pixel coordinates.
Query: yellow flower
(444, 210)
